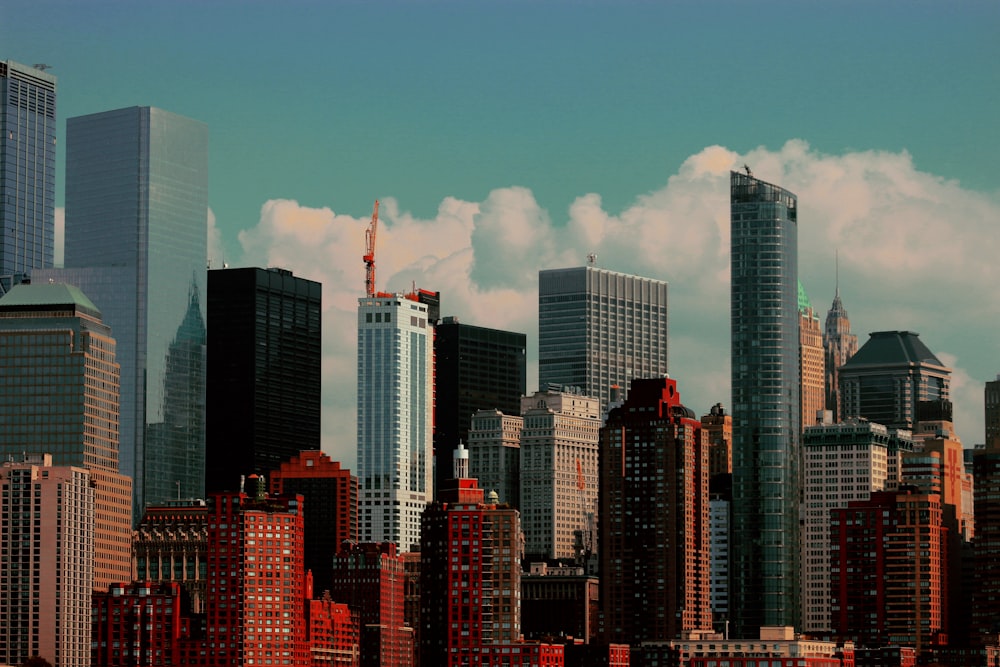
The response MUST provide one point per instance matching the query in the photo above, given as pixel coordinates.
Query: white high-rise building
(844, 462)
(395, 410)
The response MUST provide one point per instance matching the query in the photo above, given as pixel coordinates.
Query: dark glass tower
(475, 369)
(765, 384)
(136, 244)
(27, 170)
(264, 367)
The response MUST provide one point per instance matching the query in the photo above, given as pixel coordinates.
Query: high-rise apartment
(395, 417)
(839, 345)
(598, 329)
(765, 393)
(986, 546)
(60, 396)
(476, 368)
(136, 244)
(559, 471)
(812, 374)
(47, 575)
(27, 170)
(264, 368)
(887, 379)
(654, 517)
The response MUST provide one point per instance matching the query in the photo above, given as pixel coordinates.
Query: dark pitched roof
(893, 347)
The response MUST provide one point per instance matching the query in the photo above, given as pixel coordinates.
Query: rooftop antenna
(42, 66)
(592, 259)
(747, 167)
(836, 269)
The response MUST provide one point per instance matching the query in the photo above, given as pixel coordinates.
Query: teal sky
(882, 116)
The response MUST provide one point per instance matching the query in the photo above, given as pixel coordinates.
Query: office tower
(136, 243)
(395, 415)
(883, 550)
(171, 546)
(47, 574)
(138, 623)
(986, 545)
(264, 363)
(812, 371)
(991, 404)
(559, 473)
(331, 501)
(60, 396)
(559, 602)
(495, 453)
(598, 329)
(765, 393)
(889, 376)
(470, 564)
(255, 607)
(27, 170)
(369, 578)
(475, 369)
(718, 427)
(839, 345)
(843, 463)
(654, 517)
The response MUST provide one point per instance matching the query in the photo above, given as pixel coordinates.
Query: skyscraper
(986, 546)
(840, 345)
(27, 170)
(765, 386)
(495, 453)
(598, 329)
(395, 416)
(476, 368)
(812, 394)
(136, 244)
(264, 367)
(888, 378)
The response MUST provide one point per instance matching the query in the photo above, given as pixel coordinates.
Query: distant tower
(840, 345)
(811, 361)
(27, 170)
(495, 453)
(598, 328)
(991, 402)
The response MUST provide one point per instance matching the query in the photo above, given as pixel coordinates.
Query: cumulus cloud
(916, 252)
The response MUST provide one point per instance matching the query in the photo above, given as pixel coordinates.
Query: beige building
(812, 362)
(46, 579)
(559, 470)
(719, 428)
(495, 454)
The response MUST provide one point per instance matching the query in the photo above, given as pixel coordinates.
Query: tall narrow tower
(839, 345)
(765, 385)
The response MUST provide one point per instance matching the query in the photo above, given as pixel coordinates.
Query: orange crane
(369, 256)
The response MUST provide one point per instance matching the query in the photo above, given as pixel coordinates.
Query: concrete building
(141, 623)
(772, 647)
(170, 546)
(765, 550)
(839, 345)
(61, 397)
(264, 367)
(812, 362)
(654, 518)
(718, 427)
(559, 471)
(47, 539)
(495, 453)
(720, 510)
(136, 243)
(27, 171)
(843, 463)
(395, 417)
(599, 329)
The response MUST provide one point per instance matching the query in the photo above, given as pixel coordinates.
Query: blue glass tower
(27, 170)
(136, 243)
(765, 383)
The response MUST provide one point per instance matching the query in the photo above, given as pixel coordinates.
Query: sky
(507, 137)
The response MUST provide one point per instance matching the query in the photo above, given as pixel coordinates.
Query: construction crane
(369, 255)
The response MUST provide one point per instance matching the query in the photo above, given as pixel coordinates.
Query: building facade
(559, 602)
(476, 368)
(27, 171)
(141, 623)
(264, 366)
(395, 417)
(718, 427)
(986, 545)
(136, 244)
(599, 329)
(170, 546)
(654, 518)
(559, 471)
(331, 507)
(47, 577)
(812, 362)
(765, 551)
(495, 453)
(839, 346)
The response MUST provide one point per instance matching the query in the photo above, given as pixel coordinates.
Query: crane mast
(369, 256)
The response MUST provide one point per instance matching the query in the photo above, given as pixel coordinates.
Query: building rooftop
(36, 296)
(893, 348)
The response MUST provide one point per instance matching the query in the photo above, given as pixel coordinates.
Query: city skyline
(502, 162)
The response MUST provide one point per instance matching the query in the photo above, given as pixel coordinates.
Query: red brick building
(333, 632)
(138, 624)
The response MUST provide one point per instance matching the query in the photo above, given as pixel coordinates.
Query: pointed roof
(804, 303)
(893, 348)
(41, 296)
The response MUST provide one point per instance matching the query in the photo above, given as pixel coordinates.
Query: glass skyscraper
(27, 170)
(395, 417)
(765, 550)
(598, 329)
(137, 245)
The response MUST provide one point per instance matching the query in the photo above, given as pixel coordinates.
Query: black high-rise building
(475, 369)
(264, 363)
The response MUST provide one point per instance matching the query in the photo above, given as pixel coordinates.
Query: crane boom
(369, 256)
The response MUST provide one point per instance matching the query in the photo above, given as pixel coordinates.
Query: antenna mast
(369, 256)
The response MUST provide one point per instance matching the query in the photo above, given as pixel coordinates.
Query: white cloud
(916, 252)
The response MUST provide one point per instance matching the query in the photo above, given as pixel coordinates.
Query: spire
(836, 274)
